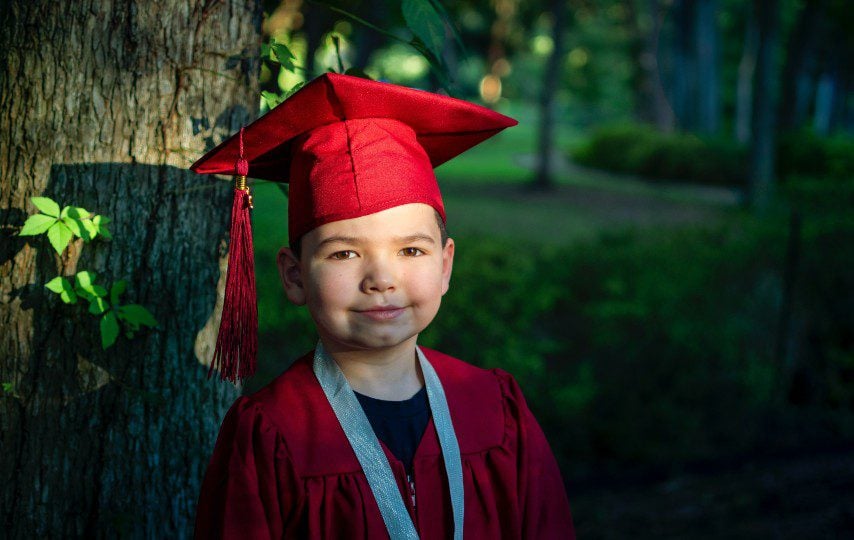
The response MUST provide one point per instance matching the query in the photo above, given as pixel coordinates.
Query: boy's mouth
(382, 313)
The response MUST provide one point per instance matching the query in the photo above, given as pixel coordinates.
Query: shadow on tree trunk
(114, 442)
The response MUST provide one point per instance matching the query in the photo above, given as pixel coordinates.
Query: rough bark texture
(103, 104)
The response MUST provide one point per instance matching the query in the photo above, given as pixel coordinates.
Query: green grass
(542, 220)
(497, 159)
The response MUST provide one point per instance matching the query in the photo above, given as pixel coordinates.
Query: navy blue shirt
(399, 424)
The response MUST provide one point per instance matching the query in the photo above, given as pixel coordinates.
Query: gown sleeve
(250, 489)
(543, 503)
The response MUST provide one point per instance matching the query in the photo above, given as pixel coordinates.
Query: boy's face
(371, 282)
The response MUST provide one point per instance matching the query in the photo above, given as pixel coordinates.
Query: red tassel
(237, 341)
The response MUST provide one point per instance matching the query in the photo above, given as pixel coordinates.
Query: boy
(370, 436)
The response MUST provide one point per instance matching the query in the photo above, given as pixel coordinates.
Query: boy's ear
(290, 271)
(447, 264)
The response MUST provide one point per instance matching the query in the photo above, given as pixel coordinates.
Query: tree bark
(744, 85)
(796, 80)
(104, 105)
(684, 86)
(762, 151)
(551, 79)
(708, 60)
(653, 105)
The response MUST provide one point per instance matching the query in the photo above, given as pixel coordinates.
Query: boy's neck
(392, 374)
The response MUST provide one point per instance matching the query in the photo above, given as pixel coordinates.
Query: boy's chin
(362, 342)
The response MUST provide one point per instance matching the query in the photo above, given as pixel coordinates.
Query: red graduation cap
(348, 147)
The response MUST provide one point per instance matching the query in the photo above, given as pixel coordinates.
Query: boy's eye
(411, 252)
(343, 255)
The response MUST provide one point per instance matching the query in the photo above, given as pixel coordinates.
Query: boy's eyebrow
(339, 240)
(414, 238)
(352, 240)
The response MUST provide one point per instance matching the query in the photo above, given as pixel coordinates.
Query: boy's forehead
(397, 222)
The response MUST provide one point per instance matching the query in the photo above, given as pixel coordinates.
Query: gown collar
(370, 454)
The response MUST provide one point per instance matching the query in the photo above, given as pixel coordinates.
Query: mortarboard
(348, 147)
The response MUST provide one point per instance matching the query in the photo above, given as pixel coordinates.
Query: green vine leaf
(357, 72)
(98, 305)
(59, 235)
(75, 212)
(424, 21)
(86, 286)
(37, 224)
(62, 286)
(293, 90)
(55, 284)
(46, 206)
(136, 315)
(90, 227)
(117, 290)
(109, 329)
(283, 55)
(85, 279)
(271, 99)
(77, 228)
(100, 223)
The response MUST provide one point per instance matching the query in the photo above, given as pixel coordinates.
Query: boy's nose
(378, 278)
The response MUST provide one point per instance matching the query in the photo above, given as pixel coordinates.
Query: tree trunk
(708, 79)
(762, 151)
(653, 105)
(796, 88)
(104, 105)
(684, 88)
(746, 70)
(825, 97)
(551, 79)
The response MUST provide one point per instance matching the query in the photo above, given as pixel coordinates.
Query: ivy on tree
(61, 226)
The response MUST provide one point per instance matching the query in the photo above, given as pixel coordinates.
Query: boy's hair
(296, 245)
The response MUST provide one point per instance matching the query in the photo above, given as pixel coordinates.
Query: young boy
(369, 435)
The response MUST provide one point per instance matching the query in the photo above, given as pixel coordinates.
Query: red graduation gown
(282, 466)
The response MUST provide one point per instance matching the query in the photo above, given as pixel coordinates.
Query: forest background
(660, 252)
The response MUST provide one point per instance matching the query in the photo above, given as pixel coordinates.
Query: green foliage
(425, 22)
(803, 153)
(428, 21)
(660, 346)
(280, 53)
(643, 150)
(61, 226)
(109, 329)
(61, 286)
